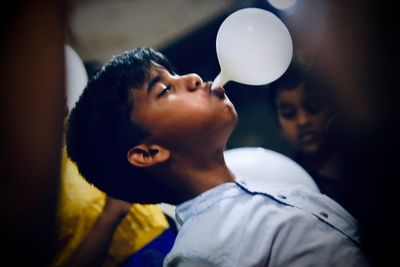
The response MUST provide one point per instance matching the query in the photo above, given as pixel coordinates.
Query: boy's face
(182, 111)
(302, 116)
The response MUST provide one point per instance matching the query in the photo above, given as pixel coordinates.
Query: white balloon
(256, 163)
(254, 47)
(282, 4)
(75, 74)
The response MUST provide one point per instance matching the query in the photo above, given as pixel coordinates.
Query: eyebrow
(153, 82)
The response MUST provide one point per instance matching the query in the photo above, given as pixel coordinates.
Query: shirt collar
(206, 199)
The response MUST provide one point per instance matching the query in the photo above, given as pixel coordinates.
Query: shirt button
(282, 196)
(324, 214)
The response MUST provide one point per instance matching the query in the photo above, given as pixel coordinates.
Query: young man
(142, 133)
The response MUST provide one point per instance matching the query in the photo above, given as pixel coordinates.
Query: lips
(218, 92)
(308, 137)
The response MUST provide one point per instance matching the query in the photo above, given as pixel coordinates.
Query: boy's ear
(147, 155)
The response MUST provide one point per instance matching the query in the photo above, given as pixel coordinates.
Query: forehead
(156, 70)
(156, 73)
(297, 93)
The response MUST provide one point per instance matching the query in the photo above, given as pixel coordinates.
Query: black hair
(100, 131)
(295, 75)
(292, 78)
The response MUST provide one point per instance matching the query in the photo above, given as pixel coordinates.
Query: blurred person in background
(301, 104)
(353, 45)
(94, 229)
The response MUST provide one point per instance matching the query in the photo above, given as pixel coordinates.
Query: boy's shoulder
(302, 198)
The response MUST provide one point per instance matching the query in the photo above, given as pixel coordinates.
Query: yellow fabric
(80, 203)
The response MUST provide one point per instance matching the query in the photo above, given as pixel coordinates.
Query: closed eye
(164, 91)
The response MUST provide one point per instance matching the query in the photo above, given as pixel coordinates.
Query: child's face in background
(183, 111)
(303, 117)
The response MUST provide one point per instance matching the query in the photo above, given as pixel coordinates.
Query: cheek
(200, 112)
(288, 130)
(183, 120)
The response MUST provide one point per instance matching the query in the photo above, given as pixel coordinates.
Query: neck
(189, 176)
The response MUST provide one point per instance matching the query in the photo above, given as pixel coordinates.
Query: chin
(310, 149)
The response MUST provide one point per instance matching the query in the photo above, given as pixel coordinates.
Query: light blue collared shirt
(262, 224)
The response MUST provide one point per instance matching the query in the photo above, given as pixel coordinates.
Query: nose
(192, 81)
(303, 118)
